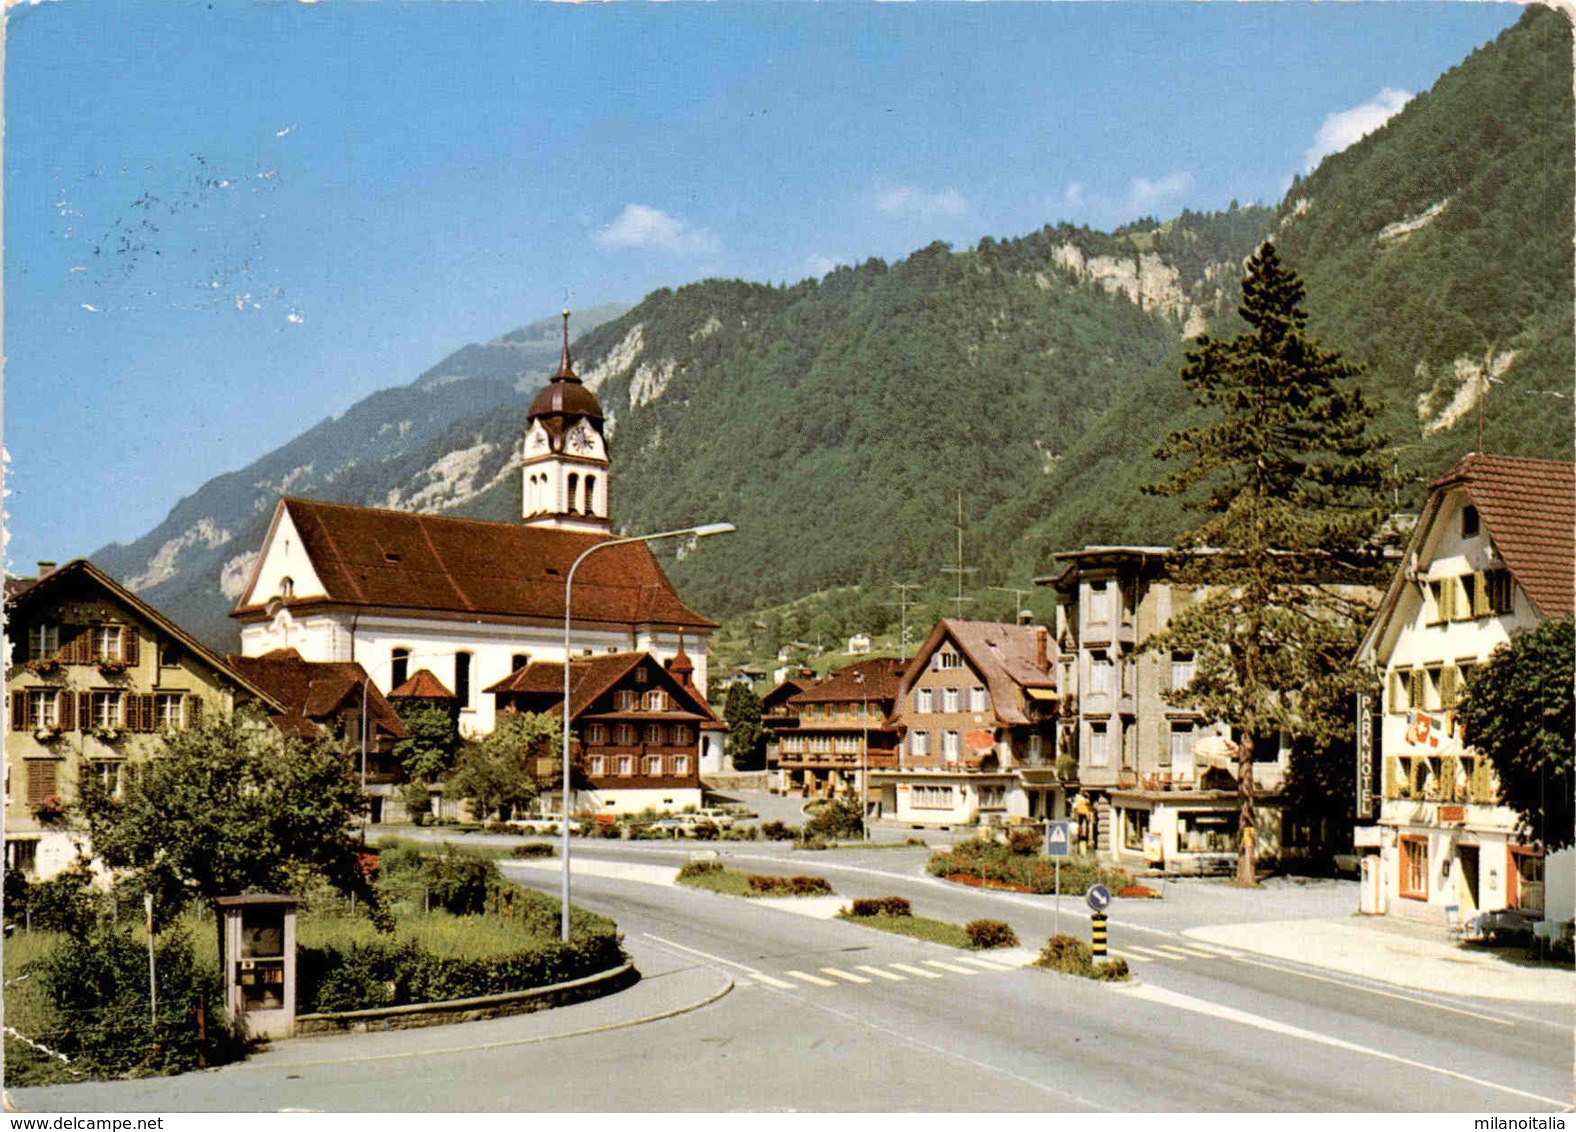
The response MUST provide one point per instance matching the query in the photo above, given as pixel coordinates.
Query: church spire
(566, 367)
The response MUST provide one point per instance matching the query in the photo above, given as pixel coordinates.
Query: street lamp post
(864, 756)
(701, 531)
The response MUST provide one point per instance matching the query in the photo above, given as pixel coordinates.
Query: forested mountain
(836, 421)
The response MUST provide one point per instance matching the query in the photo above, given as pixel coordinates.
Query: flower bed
(988, 864)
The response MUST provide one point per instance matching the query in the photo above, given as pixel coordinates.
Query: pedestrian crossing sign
(1058, 839)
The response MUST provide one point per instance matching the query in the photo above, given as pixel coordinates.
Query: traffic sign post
(1058, 843)
(1099, 898)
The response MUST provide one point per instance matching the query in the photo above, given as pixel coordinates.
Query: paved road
(825, 1015)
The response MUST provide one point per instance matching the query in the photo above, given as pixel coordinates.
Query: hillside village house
(472, 601)
(1157, 785)
(1491, 555)
(638, 723)
(93, 676)
(778, 716)
(831, 734)
(976, 714)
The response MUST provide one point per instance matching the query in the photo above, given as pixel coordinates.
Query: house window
(598, 765)
(641, 675)
(170, 654)
(43, 708)
(1135, 823)
(654, 766)
(41, 780)
(978, 700)
(949, 660)
(624, 700)
(574, 490)
(42, 641)
(399, 667)
(682, 737)
(656, 701)
(1497, 582)
(992, 797)
(109, 777)
(106, 709)
(1099, 749)
(931, 798)
(654, 735)
(680, 764)
(1099, 675)
(1449, 687)
(171, 714)
(626, 765)
(924, 700)
(1400, 687)
(919, 742)
(1417, 689)
(1443, 592)
(1414, 867)
(1036, 748)
(1526, 880)
(1433, 677)
(1469, 521)
(949, 699)
(462, 679)
(624, 735)
(1099, 602)
(1181, 749)
(107, 642)
(596, 734)
(949, 746)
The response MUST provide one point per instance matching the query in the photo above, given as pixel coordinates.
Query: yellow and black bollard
(1097, 934)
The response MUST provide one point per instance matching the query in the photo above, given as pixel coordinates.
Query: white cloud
(917, 204)
(1073, 196)
(1344, 127)
(640, 226)
(1145, 196)
(819, 265)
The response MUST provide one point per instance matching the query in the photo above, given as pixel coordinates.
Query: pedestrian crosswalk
(868, 974)
(1175, 952)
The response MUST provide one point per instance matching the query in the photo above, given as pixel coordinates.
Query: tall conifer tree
(1288, 481)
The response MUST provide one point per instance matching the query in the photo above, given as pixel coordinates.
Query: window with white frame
(992, 797)
(642, 676)
(1181, 748)
(682, 735)
(1099, 745)
(626, 766)
(596, 733)
(680, 764)
(624, 735)
(919, 742)
(106, 709)
(1036, 748)
(930, 798)
(624, 700)
(171, 711)
(654, 734)
(1181, 670)
(1099, 675)
(656, 701)
(949, 659)
(924, 699)
(654, 766)
(950, 747)
(107, 642)
(43, 640)
(1099, 602)
(109, 777)
(43, 708)
(597, 765)
(949, 699)
(978, 700)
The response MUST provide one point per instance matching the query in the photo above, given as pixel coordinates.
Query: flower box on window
(46, 666)
(110, 666)
(50, 809)
(48, 732)
(108, 734)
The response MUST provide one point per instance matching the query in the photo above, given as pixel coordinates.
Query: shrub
(1068, 954)
(1023, 842)
(810, 843)
(499, 827)
(775, 830)
(533, 849)
(700, 868)
(1112, 970)
(994, 863)
(66, 902)
(838, 818)
(704, 831)
(1137, 892)
(881, 906)
(790, 886)
(607, 831)
(741, 833)
(985, 934)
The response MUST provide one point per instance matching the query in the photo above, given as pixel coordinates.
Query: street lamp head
(714, 529)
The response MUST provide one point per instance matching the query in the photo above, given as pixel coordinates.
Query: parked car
(722, 819)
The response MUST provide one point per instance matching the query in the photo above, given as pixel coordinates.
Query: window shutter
(1416, 686)
(77, 646)
(85, 709)
(130, 640)
(1481, 606)
(193, 711)
(66, 706)
(1448, 683)
(18, 711)
(40, 780)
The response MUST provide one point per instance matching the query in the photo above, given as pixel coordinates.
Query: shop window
(1135, 823)
(1526, 881)
(1206, 831)
(931, 798)
(1414, 867)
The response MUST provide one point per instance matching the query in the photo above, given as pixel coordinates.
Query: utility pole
(959, 569)
(902, 603)
(1017, 600)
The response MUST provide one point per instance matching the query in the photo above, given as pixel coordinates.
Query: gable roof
(310, 692)
(22, 594)
(371, 557)
(589, 678)
(422, 686)
(1005, 656)
(882, 674)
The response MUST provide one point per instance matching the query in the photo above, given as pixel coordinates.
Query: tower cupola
(565, 461)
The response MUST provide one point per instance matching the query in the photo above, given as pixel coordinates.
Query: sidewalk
(1410, 955)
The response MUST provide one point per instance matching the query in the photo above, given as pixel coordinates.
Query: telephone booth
(260, 962)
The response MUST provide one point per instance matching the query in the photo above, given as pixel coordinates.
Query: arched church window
(287, 587)
(462, 679)
(591, 507)
(574, 489)
(399, 667)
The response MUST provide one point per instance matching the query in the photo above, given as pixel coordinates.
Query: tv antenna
(959, 569)
(902, 603)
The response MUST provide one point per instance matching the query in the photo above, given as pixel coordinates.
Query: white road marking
(1218, 952)
(837, 974)
(1198, 953)
(758, 976)
(1164, 997)
(771, 982)
(988, 964)
(1174, 952)
(880, 974)
(813, 980)
(904, 967)
(1149, 956)
(1127, 954)
(953, 967)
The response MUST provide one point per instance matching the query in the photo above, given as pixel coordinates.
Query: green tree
(746, 738)
(1517, 711)
(228, 808)
(427, 753)
(497, 774)
(1289, 482)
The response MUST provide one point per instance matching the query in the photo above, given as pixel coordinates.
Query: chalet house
(778, 716)
(471, 601)
(639, 726)
(93, 676)
(1491, 556)
(330, 700)
(976, 714)
(841, 730)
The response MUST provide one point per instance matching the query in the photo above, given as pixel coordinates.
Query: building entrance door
(1467, 856)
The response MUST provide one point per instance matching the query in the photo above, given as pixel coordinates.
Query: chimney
(1042, 638)
(45, 568)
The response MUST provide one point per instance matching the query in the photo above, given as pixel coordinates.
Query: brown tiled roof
(28, 592)
(422, 686)
(1529, 509)
(367, 556)
(310, 692)
(1004, 655)
(589, 678)
(881, 677)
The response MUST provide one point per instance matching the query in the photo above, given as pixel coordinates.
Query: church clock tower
(565, 466)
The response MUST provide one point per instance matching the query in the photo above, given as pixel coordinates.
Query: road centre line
(1162, 997)
(839, 974)
(919, 971)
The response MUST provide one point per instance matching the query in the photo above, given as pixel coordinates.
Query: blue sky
(224, 223)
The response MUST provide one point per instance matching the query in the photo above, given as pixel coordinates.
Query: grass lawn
(919, 927)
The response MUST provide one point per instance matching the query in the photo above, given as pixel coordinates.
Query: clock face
(539, 439)
(580, 440)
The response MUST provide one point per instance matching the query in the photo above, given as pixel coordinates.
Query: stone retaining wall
(418, 1014)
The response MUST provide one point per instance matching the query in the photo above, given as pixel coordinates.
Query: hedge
(994, 863)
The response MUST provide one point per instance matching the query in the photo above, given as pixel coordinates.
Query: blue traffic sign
(1059, 839)
(1099, 897)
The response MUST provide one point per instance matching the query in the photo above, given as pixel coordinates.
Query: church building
(472, 601)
